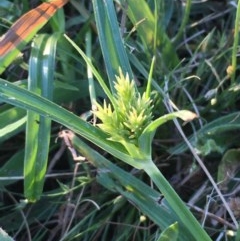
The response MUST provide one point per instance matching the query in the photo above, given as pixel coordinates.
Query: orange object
(24, 26)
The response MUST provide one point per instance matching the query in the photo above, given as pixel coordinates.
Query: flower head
(132, 113)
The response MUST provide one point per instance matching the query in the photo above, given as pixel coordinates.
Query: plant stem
(175, 202)
(235, 44)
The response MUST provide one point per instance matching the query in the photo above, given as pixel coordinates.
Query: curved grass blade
(23, 98)
(38, 129)
(184, 21)
(110, 39)
(24, 29)
(94, 71)
(137, 192)
(146, 138)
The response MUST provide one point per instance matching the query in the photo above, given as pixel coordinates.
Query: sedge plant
(128, 119)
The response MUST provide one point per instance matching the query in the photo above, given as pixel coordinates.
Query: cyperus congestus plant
(128, 119)
(131, 115)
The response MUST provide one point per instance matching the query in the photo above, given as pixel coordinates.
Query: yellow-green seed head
(131, 115)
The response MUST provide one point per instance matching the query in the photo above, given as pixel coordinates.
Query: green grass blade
(12, 122)
(110, 39)
(38, 129)
(184, 21)
(91, 87)
(176, 203)
(143, 196)
(58, 21)
(145, 140)
(18, 96)
(94, 71)
(235, 44)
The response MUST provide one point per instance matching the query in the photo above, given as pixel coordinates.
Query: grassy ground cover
(119, 120)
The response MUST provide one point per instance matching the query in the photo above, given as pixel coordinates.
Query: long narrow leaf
(144, 197)
(18, 96)
(146, 138)
(94, 71)
(38, 128)
(110, 39)
(24, 29)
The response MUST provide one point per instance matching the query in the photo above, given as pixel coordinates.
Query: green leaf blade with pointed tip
(38, 129)
(146, 138)
(23, 98)
(170, 233)
(111, 41)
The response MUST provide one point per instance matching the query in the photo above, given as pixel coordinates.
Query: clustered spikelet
(131, 115)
